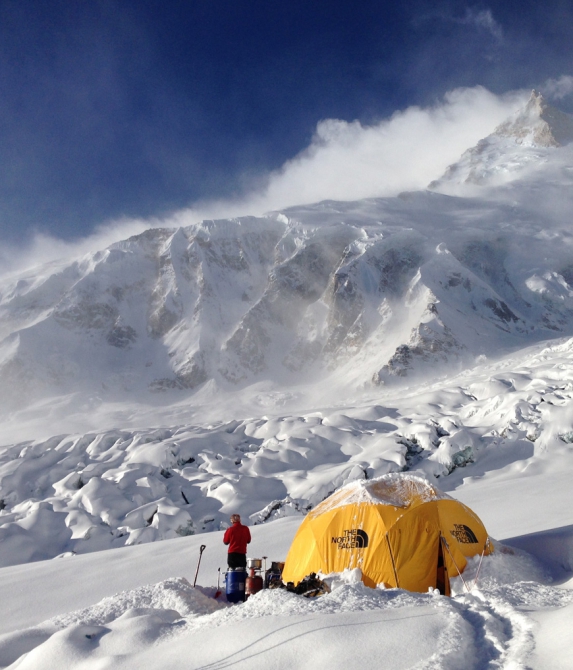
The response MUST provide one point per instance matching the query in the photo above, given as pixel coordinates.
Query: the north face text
(464, 534)
(354, 538)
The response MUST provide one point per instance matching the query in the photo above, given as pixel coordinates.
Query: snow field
(171, 623)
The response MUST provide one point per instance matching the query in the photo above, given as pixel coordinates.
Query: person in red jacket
(237, 537)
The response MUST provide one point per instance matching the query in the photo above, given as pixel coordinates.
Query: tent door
(442, 579)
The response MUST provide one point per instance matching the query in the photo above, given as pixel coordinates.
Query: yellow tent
(398, 529)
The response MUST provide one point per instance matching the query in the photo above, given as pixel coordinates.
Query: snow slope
(135, 608)
(254, 366)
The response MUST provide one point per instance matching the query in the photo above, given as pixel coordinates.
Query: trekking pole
(218, 592)
(265, 573)
(201, 550)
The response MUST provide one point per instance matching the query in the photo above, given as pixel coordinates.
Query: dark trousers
(236, 560)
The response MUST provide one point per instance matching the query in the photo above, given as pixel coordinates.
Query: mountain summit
(538, 124)
(524, 139)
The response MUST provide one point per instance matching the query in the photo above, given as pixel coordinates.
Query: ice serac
(524, 139)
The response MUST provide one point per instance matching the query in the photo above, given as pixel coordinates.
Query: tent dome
(399, 529)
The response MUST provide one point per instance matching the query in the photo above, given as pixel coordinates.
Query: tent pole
(454, 562)
(392, 559)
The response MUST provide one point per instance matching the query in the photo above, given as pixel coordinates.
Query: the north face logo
(356, 538)
(464, 534)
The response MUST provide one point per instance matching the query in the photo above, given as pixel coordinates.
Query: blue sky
(139, 108)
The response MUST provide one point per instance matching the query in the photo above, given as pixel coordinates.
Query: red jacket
(237, 537)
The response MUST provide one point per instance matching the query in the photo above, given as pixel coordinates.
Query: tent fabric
(396, 529)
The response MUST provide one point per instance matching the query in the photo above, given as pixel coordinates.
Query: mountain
(355, 293)
(364, 292)
(528, 138)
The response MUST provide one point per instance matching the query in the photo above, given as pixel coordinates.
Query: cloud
(345, 161)
(482, 19)
(558, 88)
(349, 161)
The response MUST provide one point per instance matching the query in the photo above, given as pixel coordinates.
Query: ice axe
(201, 550)
(218, 592)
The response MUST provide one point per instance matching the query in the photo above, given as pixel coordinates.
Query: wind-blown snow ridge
(175, 594)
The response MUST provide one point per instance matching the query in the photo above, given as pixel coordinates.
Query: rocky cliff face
(538, 124)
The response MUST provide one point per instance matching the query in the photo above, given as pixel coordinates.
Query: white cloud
(345, 161)
(558, 88)
(483, 19)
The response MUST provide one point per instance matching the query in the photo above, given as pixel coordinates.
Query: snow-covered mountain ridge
(381, 288)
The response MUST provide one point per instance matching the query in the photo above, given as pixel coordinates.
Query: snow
(257, 366)
(393, 489)
(293, 642)
(153, 625)
(521, 143)
(138, 607)
(552, 649)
